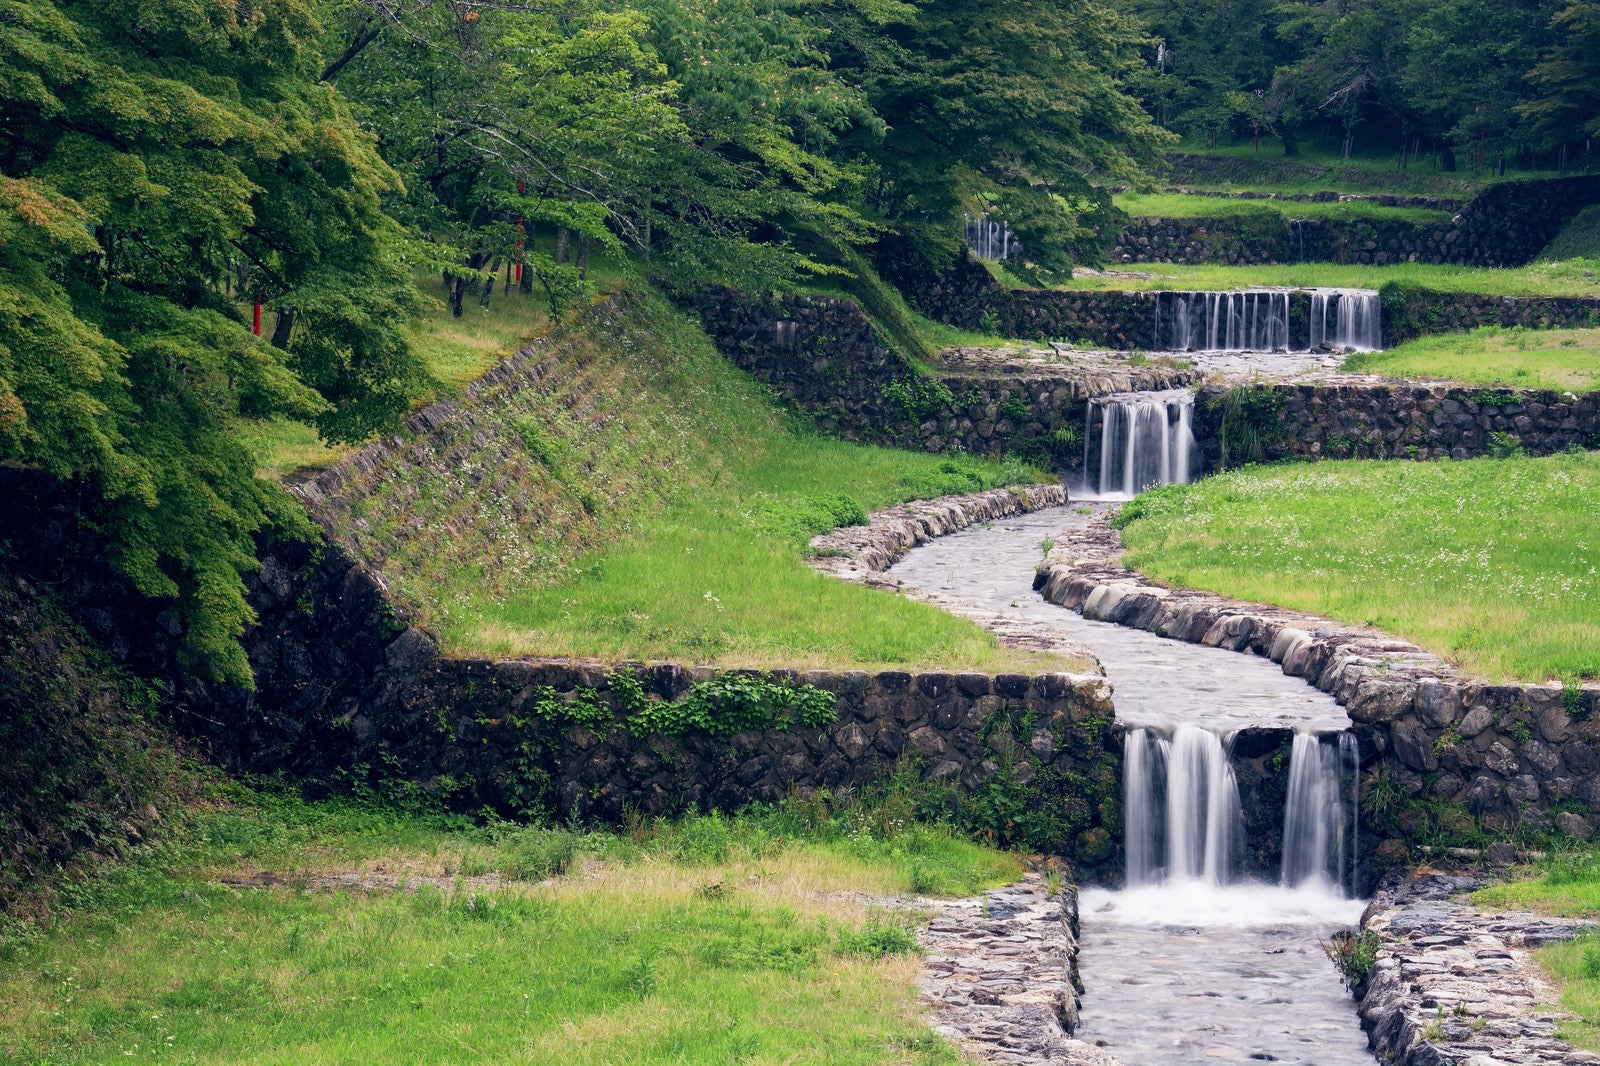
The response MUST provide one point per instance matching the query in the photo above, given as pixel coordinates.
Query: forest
(170, 170)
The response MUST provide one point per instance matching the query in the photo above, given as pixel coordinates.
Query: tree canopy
(159, 163)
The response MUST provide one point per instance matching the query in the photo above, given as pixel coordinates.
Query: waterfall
(1318, 828)
(1146, 439)
(1268, 320)
(1191, 828)
(1356, 317)
(1181, 806)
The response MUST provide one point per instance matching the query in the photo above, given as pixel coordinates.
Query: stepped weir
(1268, 320)
(1238, 842)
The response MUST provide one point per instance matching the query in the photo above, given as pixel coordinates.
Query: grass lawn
(1178, 205)
(1493, 564)
(273, 931)
(1570, 277)
(1567, 884)
(1560, 359)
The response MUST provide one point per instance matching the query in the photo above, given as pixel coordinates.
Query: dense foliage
(159, 164)
(1479, 82)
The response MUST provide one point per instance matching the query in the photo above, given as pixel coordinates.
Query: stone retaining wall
(1435, 747)
(1504, 226)
(348, 690)
(965, 294)
(1379, 421)
(821, 355)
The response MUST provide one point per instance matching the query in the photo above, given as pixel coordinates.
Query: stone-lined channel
(1175, 972)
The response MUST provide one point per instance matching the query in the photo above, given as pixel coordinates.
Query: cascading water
(1175, 969)
(1255, 321)
(1181, 805)
(1268, 320)
(1356, 319)
(1319, 823)
(1146, 439)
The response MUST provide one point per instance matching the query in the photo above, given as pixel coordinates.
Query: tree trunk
(488, 286)
(583, 256)
(283, 328)
(562, 239)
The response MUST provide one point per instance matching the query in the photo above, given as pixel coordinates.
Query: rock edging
(1514, 755)
(1001, 972)
(1451, 984)
(855, 553)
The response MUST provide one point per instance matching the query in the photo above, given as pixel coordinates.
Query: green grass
(1179, 205)
(276, 932)
(1493, 564)
(686, 517)
(1566, 884)
(1579, 238)
(1317, 167)
(1572, 277)
(1560, 359)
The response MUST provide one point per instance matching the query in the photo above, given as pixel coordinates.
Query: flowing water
(1146, 439)
(1189, 962)
(1268, 320)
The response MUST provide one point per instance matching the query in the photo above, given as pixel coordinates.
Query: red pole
(255, 325)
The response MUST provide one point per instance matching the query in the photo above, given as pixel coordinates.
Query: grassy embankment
(1181, 205)
(1559, 359)
(1566, 884)
(275, 932)
(687, 507)
(1315, 168)
(1493, 564)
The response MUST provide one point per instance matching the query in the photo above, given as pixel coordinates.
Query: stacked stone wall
(1371, 421)
(1443, 755)
(1506, 225)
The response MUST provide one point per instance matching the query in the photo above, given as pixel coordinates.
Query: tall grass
(1571, 277)
(714, 940)
(1492, 563)
(1559, 359)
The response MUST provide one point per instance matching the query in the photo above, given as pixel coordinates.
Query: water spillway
(1206, 952)
(1268, 320)
(1144, 439)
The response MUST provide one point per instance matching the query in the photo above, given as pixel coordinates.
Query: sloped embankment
(544, 456)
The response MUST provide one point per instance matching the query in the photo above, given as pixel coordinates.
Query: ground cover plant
(271, 930)
(1180, 205)
(1493, 564)
(1570, 277)
(1565, 360)
(1565, 883)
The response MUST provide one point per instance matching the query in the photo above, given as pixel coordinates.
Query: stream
(1195, 967)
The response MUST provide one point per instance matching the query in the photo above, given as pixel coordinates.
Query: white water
(1189, 968)
(1319, 824)
(1259, 320)
(1146, 439)
(1356, 315)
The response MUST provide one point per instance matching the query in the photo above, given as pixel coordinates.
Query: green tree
(160, 162)
(1014, 110)
(1466, 72)
(1568, 77)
